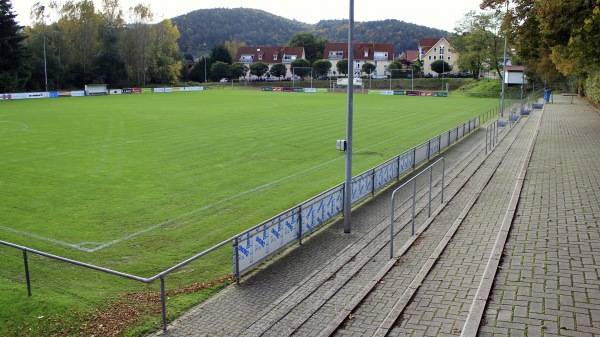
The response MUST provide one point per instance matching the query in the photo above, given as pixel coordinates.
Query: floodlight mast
(348, 181)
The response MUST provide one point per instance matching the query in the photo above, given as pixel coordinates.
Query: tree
(394, 66)
(237, 70)
(165, 61)
(562, 32)
(321, 67)
(417, 67)
(79, 23)
(342, 66)
(475, 39)
(219, 70)
(368, 68)
(200, 70)
(11, 48)
(220, 53)
(313, 47)
(137, 42)
(300, 67)
(258, 69)
(440, 66)
(109, 64)
(278, 70)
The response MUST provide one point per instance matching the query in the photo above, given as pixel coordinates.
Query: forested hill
(405, 36)
(204, 28)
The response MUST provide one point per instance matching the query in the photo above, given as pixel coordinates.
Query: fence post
(373, 183)
(236, 256)
(392, 228)
(300, 224)
(163, 303)
(443, 176)
(27, 272)
(430, 186)
(414, 205)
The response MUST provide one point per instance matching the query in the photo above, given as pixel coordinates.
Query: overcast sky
(442, 14)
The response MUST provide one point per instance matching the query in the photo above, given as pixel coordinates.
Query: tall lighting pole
(504, 69)
(44, 38)
(348, 182)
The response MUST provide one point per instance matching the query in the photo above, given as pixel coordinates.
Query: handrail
(413, 180)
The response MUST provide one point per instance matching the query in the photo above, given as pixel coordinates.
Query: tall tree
(477, 41)
(564, 32)
(313, 47)
(11, 48)
(221, 53)
(200, 70)
(109, 64)
(137, 43)
(79, 22)
(165, 60)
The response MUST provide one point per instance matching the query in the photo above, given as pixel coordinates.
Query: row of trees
(85, 45)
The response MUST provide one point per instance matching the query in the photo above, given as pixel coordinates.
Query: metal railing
(491, 136)
(292, 225)
(413, 181)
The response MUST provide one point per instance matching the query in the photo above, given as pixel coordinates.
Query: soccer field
(138, 183)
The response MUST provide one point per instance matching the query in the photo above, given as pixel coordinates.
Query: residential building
(431, 50)
(270, 55)
(379, 54)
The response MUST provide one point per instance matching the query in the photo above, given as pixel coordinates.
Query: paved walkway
(515, 251)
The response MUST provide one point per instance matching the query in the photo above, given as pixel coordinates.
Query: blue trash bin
(547, 93)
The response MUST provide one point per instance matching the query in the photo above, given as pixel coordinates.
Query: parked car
(224, 80)
(270, 79)
(323, 78)
(379, 77)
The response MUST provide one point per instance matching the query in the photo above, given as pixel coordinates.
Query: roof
(268, 54)
(412, 55)
(426, 44)
(362, 51)
(515, 68)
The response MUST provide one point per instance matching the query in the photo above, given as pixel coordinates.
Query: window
(441, 52)
(357, 66)
(274, 57)
(429, 57)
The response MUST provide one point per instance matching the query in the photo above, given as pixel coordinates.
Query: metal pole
(392, 228)
(414, 202)
(430, 188)
(44, 35)
(504, 70)
(27, 278)
(163, 303)
(348, 182)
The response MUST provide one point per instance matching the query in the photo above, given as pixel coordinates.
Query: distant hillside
(204, 28)
(405, 36)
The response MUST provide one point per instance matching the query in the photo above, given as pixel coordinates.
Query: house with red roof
(270, 55)
(379, 54)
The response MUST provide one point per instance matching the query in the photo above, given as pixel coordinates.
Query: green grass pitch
(138, 183)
